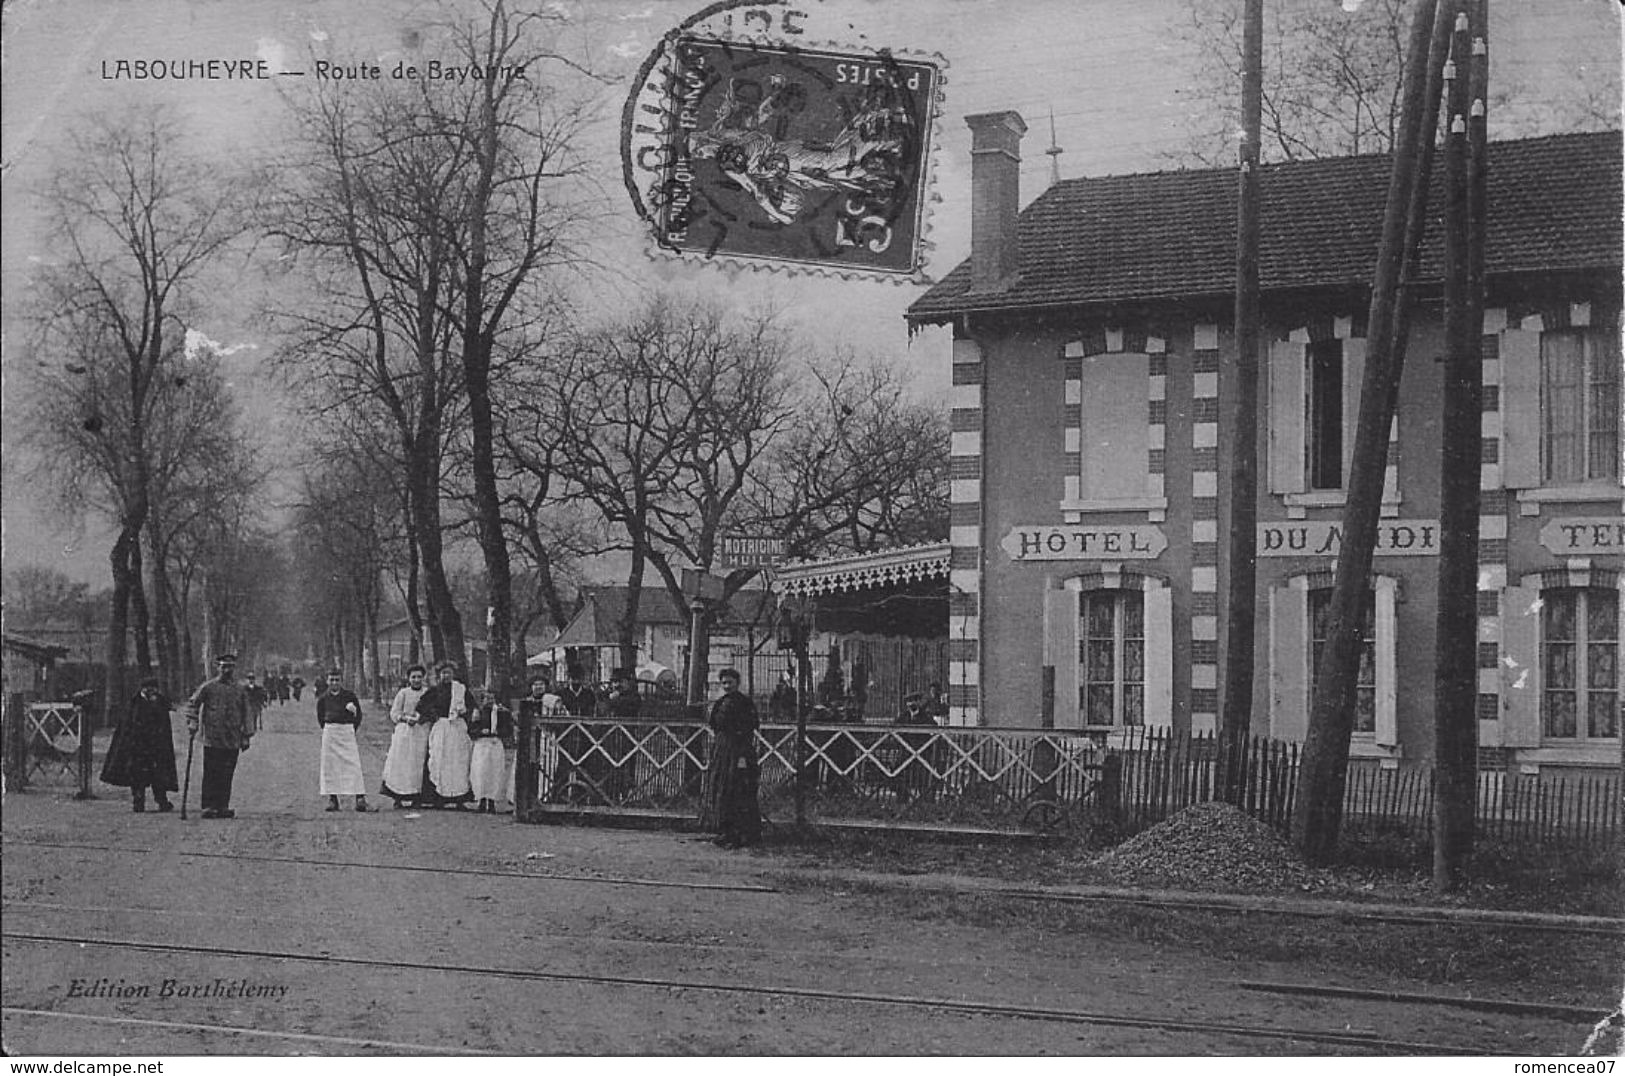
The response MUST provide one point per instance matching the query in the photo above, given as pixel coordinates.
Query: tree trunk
(626, 630)
(445, 625)
(118, 623)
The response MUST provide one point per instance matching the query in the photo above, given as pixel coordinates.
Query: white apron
(488, 772)
(341, 762)
(403, 766)
(449, 757)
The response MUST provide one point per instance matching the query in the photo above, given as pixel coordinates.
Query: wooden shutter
(1520, 676)
(1061, 654)
(1520, 409)
(1289, 663)
(1286, 416)
(1387, 726)
(1112, 426)
(1159, 657)
(1353, 380)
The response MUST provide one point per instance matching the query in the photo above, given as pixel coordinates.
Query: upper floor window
(1326, 414)
(1579, 406)
(1579, 663)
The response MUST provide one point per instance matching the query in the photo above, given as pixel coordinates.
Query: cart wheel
(1045, 816)
(578, 794)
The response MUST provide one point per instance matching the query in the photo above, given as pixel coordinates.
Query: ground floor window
(1580, 697)
(1300, 619)
(1112, 657)
(1365, 695)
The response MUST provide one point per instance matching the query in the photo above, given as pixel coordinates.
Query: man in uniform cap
(220, 707)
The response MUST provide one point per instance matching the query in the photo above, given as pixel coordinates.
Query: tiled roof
(1554, 203)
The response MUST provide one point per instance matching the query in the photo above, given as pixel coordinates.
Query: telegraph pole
(1241, 603)
(1455, 709)
(1323, 773)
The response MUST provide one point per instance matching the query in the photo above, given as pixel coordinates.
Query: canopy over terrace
(891, 592)
(884, 615)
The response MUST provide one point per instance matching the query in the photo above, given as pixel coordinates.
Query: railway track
(1584, 926)
(482, 872)
(1370, 1043)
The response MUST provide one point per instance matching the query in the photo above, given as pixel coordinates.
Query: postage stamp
(772, 152)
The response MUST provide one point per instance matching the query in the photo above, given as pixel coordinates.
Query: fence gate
(55, 743)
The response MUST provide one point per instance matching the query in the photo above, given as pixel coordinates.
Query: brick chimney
(995, 152)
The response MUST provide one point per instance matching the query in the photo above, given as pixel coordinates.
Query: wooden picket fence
(1116, 783)
(1162, 773)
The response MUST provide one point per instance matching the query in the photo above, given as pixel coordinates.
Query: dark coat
(581, 702)
(142, 752)
(735, 771)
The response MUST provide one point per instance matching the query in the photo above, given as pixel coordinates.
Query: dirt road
(291, 930)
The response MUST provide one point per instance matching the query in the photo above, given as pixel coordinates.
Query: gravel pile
(1208, 846)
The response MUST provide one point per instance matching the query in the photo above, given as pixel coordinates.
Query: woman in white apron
(408, 744)
(450, 749)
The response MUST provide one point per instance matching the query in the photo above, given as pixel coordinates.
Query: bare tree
(511, 142)
(135, 222)
(358, 209)
(860, 467)
(1332, 82)
(662, 420)
(440, 208)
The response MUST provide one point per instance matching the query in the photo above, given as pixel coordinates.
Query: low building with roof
(1091, 447)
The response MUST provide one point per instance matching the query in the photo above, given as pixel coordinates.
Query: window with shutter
(1579, 663)
(1314, 406)
(1108, 649)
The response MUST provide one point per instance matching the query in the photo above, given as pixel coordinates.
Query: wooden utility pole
(1455, 716)
(1241, 602)
(1323, 772)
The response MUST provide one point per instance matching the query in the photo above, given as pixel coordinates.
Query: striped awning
(862, 571)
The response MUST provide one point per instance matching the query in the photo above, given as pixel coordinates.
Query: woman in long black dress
(142, 752)
(735, 770)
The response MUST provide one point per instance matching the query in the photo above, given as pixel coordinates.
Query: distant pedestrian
(298, 687)
(219, 707)
(449, 746)
(579, 699)
(142, 752)
(735, 771)
(624, 701)
(781, 705)
(257, 698)
(408, 743)
(491, 728)
(338, 713)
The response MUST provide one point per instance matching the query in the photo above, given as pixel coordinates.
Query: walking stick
(186, 787)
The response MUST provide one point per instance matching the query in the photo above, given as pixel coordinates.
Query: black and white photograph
(606, 529)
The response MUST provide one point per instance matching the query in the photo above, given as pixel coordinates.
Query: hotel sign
(1395, 538)
(1102, 542)
(1584, 537)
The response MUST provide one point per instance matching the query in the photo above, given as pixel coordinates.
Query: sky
(1117, 80)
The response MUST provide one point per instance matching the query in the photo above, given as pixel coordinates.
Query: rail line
(252, 1032)
(945, 1005)
(651, 883)
(1604, 928)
